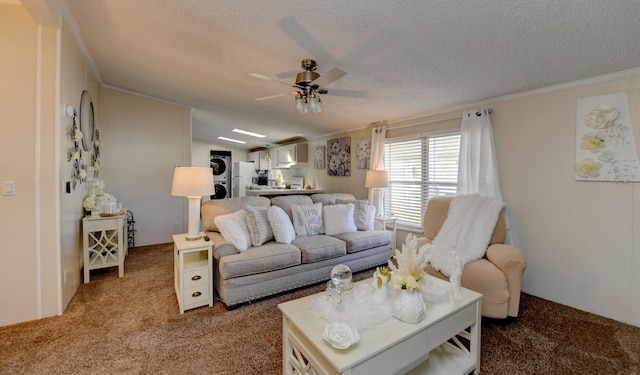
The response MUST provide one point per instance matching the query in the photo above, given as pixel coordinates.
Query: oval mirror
(87, 124)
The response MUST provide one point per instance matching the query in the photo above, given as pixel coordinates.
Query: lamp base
(193, 238)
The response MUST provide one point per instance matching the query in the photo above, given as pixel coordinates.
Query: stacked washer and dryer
(221, 165)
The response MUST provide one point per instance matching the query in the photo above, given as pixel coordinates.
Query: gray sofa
(277, 267)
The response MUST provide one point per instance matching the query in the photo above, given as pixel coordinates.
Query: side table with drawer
(193, 278)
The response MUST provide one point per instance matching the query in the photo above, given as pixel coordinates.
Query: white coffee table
(393, 347)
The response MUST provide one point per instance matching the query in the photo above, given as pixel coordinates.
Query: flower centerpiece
(411, 263)
(94, 203)
(408, 275)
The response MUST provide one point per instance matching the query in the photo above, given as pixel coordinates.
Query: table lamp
(377, 180)
(193, 183)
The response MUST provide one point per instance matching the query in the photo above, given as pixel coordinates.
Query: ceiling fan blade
(347, 93)
(330, 76)
(261, 76)
(289, 74)
(272, 96)
(304, 39)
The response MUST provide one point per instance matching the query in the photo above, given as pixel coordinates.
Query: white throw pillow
(360, 217)
(307, 219)
(258, 224)
(281, 225)
(338, 219)
(233, 228)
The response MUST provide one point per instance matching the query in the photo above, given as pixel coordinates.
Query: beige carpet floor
(132, 325)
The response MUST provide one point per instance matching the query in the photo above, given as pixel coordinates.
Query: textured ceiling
(410, 57)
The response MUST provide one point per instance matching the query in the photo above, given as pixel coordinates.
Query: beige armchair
(498, 276)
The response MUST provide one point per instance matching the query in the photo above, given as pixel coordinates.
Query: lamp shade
(376, 179)
(192, 181)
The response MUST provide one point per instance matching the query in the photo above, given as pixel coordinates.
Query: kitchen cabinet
(261, 159)
(290, 155)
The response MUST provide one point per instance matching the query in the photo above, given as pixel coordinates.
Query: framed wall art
(363, 154)
(339, 157)
(606, 148)
(318, 157)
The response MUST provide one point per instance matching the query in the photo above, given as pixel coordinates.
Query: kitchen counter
(277, 192)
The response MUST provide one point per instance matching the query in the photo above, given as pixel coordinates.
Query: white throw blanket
(466, 231)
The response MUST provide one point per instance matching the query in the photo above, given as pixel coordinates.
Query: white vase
(412, 309)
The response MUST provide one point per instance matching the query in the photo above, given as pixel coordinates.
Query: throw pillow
(338, 219)
(307, 219)
(371, 215)
(281, 225)
(258, 224)
(233, 228)
(359, 212)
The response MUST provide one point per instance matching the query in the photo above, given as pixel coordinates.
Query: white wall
(319, 179)
(75, 77)
(28, 230)
(143, 140)
(578, 237)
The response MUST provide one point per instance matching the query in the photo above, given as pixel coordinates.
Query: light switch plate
(9, 188)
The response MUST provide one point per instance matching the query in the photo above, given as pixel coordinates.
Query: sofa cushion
(268, 257)
(360, 212)
(307, 219)
(216, 207)
(286, 201)
(330, 198)
(320, 247)
(363, 240)
(281, 225)
(338, 218)
(234, 229)
(258, 224)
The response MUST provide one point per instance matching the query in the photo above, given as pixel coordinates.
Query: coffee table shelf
(393, 347)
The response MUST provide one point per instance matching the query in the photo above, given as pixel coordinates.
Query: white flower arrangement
(411, 263)
(95, 203)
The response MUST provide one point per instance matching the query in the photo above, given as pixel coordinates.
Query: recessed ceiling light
(249, 133)
(231, 140)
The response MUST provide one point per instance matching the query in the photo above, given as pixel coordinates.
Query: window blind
(419, 168)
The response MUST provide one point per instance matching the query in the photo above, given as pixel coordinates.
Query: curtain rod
(426, 122)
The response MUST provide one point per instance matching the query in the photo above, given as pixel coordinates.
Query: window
(419, 168)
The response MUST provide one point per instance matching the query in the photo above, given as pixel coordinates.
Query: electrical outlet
(177, 225)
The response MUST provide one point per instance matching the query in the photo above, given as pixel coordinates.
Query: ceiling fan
(309, 85)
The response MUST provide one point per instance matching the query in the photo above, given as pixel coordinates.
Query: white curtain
(478, 166)
(376, 162)
(378, 135)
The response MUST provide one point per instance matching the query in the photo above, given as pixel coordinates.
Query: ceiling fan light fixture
(308, 100)
(313, 103)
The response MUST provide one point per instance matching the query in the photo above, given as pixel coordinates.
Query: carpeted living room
(132, 325)
(366, 116)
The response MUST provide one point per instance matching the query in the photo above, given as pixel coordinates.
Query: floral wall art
(339, 157)
(75, 156)
(363, 154)
(605, 145)
(318, 157)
